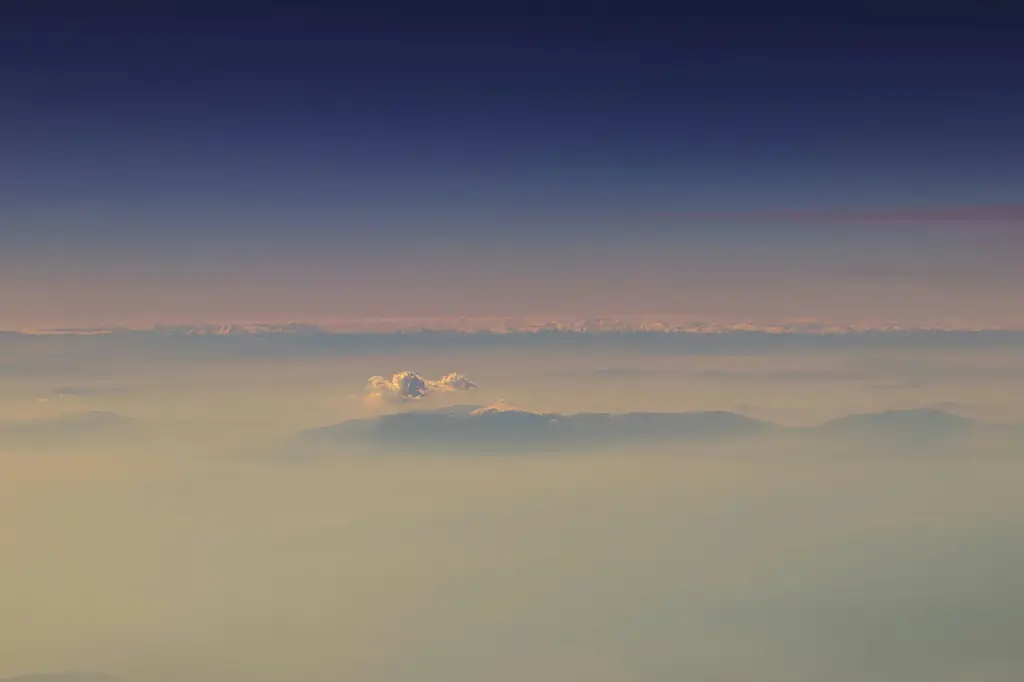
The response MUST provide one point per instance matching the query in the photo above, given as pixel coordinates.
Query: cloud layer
(406, 386)
(533, 324)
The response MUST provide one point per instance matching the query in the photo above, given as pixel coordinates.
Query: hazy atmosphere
(431, 343)
(164, 518)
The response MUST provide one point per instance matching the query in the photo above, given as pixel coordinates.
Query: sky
(199, 165)
(814, 478)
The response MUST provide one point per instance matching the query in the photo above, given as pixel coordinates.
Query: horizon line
(527, 324)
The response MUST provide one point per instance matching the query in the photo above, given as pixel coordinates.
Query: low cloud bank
(405, 387)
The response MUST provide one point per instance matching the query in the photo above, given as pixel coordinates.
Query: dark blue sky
(161, 138)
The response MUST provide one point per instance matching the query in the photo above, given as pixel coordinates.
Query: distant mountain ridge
(896, 422)
(501, 426)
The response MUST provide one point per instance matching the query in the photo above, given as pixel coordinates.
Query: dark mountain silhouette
(503, 427)
(901, 425)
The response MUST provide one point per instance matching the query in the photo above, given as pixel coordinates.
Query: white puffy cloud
(453, 382)
(408, 386)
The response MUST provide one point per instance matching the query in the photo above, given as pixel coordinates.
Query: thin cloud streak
(998, 214)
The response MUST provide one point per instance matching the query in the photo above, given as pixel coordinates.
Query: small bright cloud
(404, 387)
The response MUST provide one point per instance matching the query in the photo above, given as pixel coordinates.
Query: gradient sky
(208, 166)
